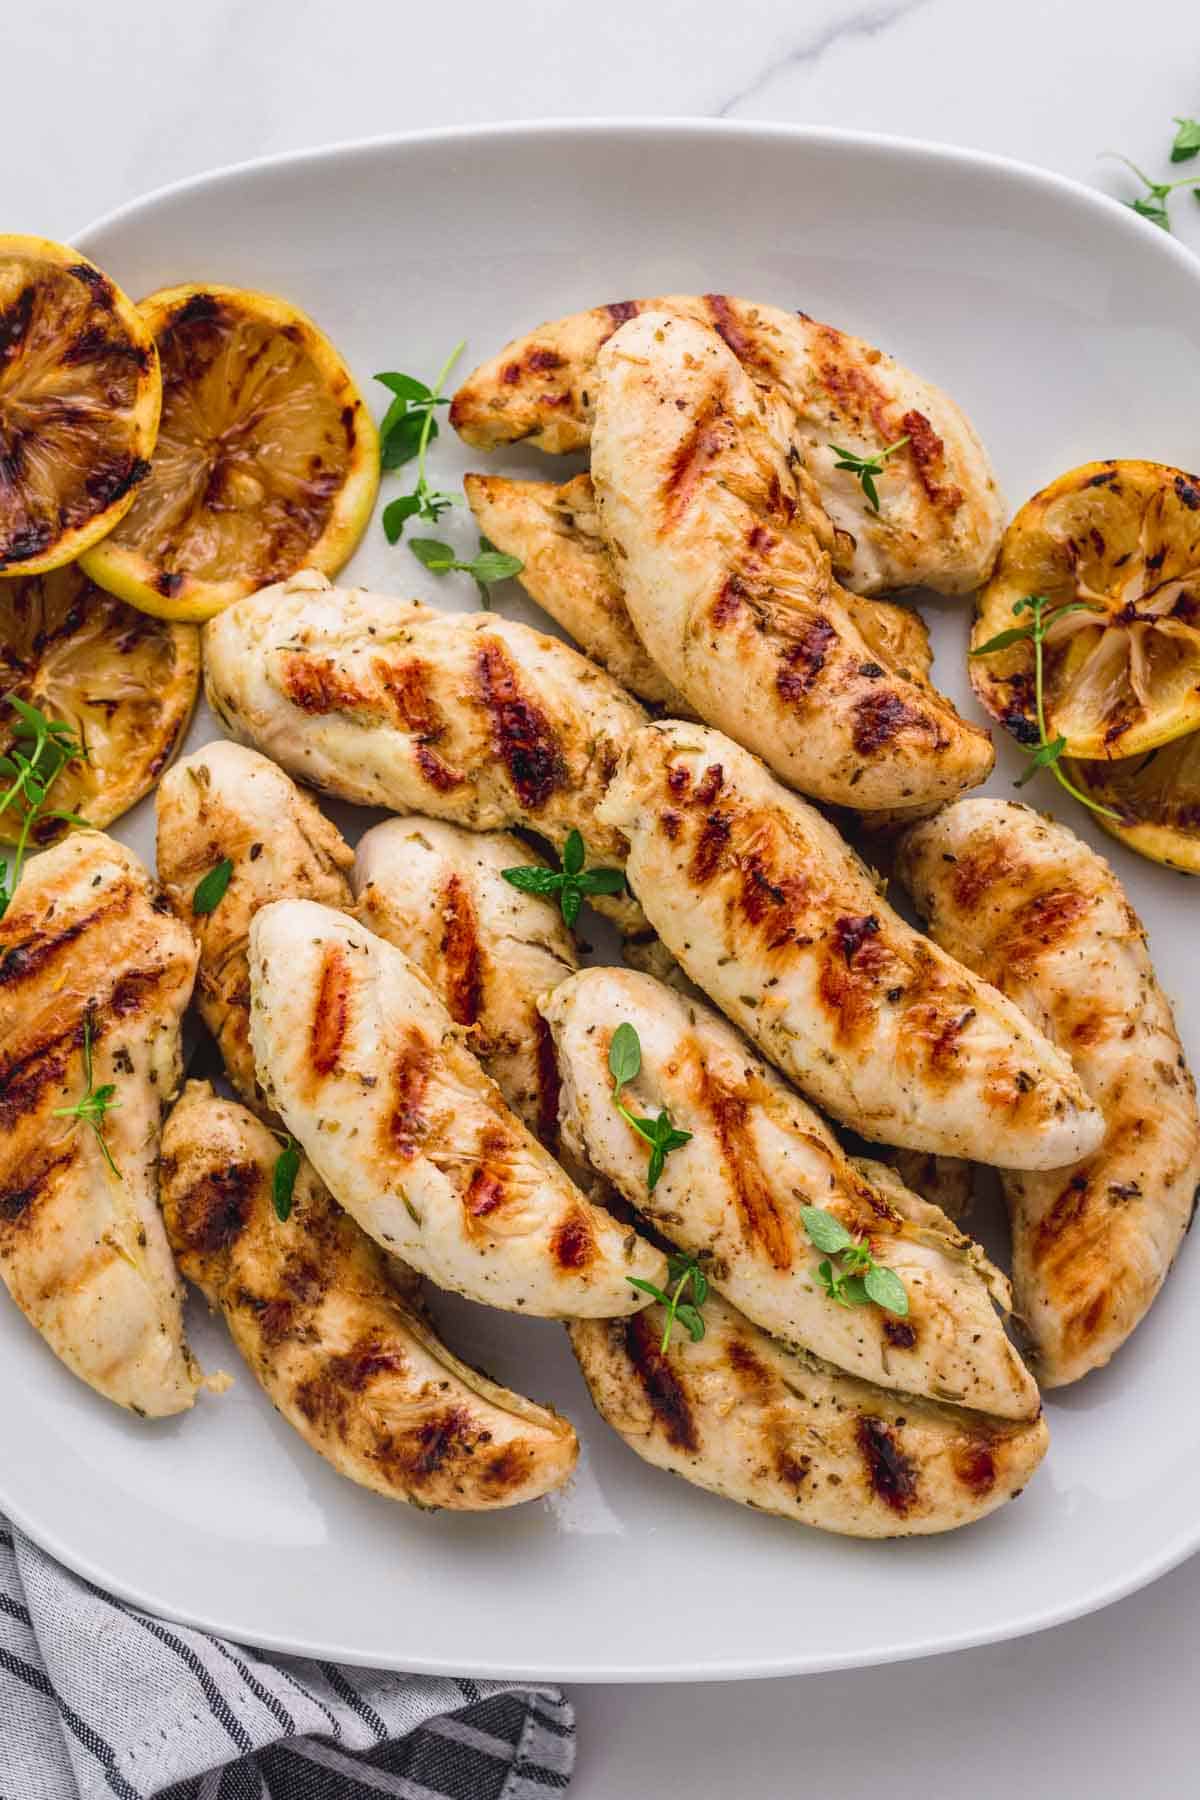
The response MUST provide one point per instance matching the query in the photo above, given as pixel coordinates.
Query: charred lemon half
(1114, 547)
(79, 404)
(1156, 799)
(124, 682)
(267, 458)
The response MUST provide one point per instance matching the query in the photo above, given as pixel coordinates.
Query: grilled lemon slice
(1157, 798)
(124, 682)
(79, 403)
(1122, 672)
(267, 458)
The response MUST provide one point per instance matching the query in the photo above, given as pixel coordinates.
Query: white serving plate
(1069, 329)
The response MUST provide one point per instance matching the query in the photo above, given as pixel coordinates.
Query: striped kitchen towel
(97, 1700)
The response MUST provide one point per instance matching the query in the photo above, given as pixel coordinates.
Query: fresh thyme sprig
(624, 1065)
(283, 1178)
(407, 429)
(1047, 752)
(1152, 204)
(570, 883)
(96, 1103)
(41, 748)
(1187, 140)
(683, 1272)
(210, 889)
(855, 1279)
(866, 468)
(485, 569)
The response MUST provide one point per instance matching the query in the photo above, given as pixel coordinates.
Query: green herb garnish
(866, 468)
(1152, 204)
(485, 569)
(1046, 752)
(97, 1102)
(40, 750)
(855, 1278)
(283, 1179)
(683, 1271)
(571, 882)
(210, 889)
(406, 430)
(1187, 141)
(624, 1065)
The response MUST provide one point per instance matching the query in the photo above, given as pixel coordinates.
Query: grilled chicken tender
(88, 941)
(467, 717)
(706, 507)
(1030, 907)
(940, 512)
(438, 893)
(569, 571)
(371, 1075)
(732, 1197)
(312, 1306)
(744, 1417)
(226, 801)
(779, 922)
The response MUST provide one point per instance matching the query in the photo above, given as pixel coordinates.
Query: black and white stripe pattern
(99, 1702)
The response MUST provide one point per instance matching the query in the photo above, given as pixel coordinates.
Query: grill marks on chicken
(733, 1196)
(941, 514)
(469, 718)
(768, 911)
(437, 892)
(413, 1138)
(228, 801)
(82, 1250)
(314, 1307)
(743, 1417)
(723, 553)
(1033, 909)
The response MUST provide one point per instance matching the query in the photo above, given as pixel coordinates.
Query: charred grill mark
(1066, 1215)
(929, 458)
(1188, 492)
(133, 991)
(549, 1083)
(23, 961)
(891, 1475)
(975, 1467)
(317, 686)
(679, 780)
(487, 1189)
(849, 986)
(620, 312)
(658, 1382)
(728, 602)
(801, 661)
(975, 872)
(461, 952)
(427, 1449)
(407, 687)
(899, 1333)
(440, 776)
(331, 1012)
(23, 1083)
(212, 1213)
(1038, 926)
(880, 716)
(709, 436)
(763, 1219)
(16, 1203)
(711, 844)
(522, 736)
(725, 324)
(851, 933)
(407, 1123)
(539, 360)
(849, 384)
(710, 785)
(573, 1244)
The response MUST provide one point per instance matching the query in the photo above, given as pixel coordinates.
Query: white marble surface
(104, 102)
